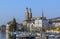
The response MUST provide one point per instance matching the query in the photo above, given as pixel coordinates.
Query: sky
(10, 9)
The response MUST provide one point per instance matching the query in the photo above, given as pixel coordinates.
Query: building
(54, 25)
(3, 28)
(38, 22)
(34, 25)
(10, 28)
(28, 14)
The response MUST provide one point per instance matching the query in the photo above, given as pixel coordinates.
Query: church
(37, 24)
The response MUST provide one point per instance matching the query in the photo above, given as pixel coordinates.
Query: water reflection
(2, 35)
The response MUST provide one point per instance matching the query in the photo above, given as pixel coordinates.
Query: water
(2, 35)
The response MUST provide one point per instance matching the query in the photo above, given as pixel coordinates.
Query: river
(2, 35)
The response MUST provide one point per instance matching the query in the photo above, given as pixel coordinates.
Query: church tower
(42, 14)
(30, 13)
(43, 17)
(26, 14)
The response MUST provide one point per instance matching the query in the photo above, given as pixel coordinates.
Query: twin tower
(28, 14)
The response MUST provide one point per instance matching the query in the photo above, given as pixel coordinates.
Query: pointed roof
(43, 17)
(30, 10)
(12, 21)
(42, 13)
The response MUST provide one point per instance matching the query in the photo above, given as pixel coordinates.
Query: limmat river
(2, 35)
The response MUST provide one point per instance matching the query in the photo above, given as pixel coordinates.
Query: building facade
(36, 24)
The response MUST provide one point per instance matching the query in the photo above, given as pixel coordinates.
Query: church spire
(27, 14)
(42, 13)
(14, 20)
(43, 17)
(30, 13)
